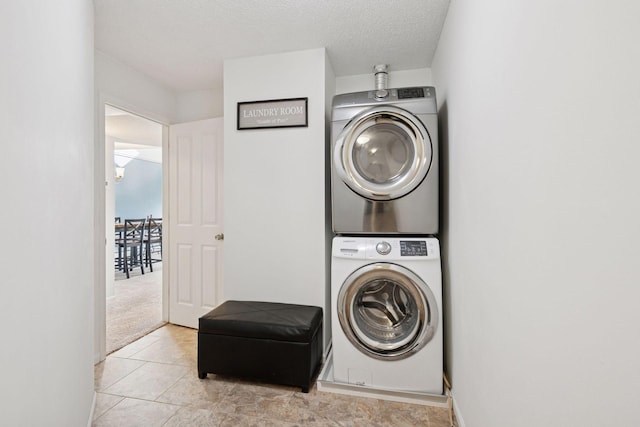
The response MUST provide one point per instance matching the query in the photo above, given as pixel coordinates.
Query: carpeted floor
(135, 309)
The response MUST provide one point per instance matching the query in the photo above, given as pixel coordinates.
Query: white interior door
(195, 219)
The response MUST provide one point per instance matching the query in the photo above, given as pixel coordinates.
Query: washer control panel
(386, 248)
(383, 248)
(413, 248)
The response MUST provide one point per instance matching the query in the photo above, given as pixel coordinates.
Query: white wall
(274, 184)
(129, 89)
(46, 256)
(397, 78)
(539, 114)
(199, 105)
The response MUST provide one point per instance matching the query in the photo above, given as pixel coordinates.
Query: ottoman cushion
(268, 320)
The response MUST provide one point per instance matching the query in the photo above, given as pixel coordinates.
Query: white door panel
(195, 218)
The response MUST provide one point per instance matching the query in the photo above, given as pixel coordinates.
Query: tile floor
(153, 382)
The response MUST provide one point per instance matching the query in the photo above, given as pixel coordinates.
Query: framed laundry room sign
(273, 113)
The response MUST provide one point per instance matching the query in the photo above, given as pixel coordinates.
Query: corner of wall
(199, 105)
(132, 90)
(457, 413)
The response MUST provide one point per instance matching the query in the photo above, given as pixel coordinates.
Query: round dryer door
(383, 153)
(386, 311)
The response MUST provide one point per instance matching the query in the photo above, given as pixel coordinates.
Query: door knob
(220, 236)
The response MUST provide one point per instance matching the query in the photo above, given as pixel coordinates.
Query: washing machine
(387, 313)
(384, 146)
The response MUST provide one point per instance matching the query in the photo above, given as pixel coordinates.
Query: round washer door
(387, 311)
(383, 153)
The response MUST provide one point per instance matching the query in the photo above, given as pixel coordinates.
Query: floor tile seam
(289, 396)
(104, 413)
(136, 352)
(187, 405)
(127, 357)
(174, 362)
(103, 390)
(110, 407)
(155, 399)
(155, 361)
(103, 387)
(134, 398)
(163, 349)
(169, 419)
(112, 394)
(171, 416)
(177, 407)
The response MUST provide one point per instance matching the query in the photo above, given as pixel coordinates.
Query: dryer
(387, 313)
(384, 146)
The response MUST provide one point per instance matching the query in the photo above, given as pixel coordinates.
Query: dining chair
(132, 245)
(118, 236)
(153, 241)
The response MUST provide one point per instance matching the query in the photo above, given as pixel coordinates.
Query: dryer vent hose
(382, 78)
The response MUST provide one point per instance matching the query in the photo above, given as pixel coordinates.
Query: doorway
(133, 199)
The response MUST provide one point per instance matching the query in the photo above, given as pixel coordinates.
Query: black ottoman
(273, 342)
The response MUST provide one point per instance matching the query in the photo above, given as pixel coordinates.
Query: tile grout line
(122, 378)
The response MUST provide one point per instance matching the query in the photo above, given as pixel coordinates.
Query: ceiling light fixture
(121, 158)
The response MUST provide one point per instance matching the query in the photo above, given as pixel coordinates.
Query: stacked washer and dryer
(386, 281)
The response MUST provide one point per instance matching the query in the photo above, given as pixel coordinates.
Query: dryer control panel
(417, 100)
(404, 93)
(414, 92)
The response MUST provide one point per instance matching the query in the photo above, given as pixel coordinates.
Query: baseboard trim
(456, 411)
(93, 409)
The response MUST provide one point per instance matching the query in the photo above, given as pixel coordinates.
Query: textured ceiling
(183, 43)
